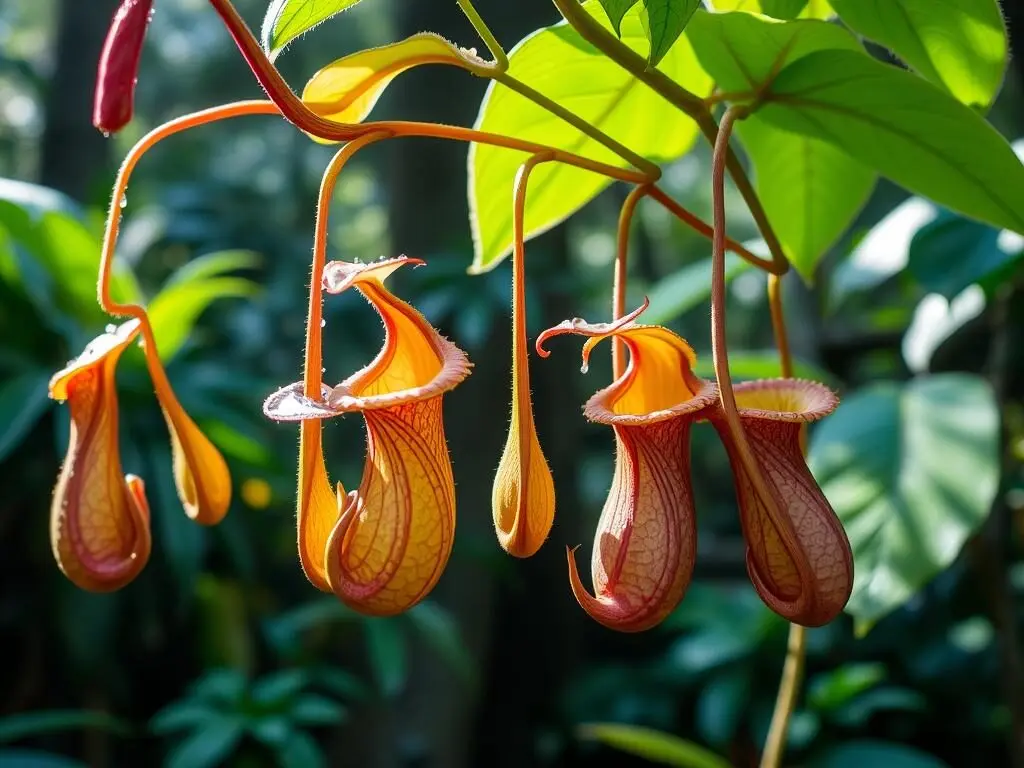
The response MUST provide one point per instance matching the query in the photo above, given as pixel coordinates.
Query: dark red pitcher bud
(119, 66)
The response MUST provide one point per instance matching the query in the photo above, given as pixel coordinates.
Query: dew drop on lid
(585, 367)
(323, 323)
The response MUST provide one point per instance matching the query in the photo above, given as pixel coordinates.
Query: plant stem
(785, 702)
(652, 170)
(682, 99)
(500, 59)
(620, 278)
(695, 223)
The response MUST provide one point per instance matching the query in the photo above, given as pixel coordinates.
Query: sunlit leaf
(911, 469)
(288, 19)
(959, 44)
(175, 310)
(652, 745)
(346, 90)
(741, 51)
(903, 127)
(831, 690)
(213, 265)
(810, 190)
(666, 20)
(23, 399)
(616, 9)
(598, 91)
(779, 9)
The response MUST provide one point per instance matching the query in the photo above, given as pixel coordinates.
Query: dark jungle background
(500, 668)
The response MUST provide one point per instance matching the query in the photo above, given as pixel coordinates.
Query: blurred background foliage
(222, 654)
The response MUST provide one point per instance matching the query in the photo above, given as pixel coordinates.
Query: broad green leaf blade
(557, 62)
(346, 90)
(27, 725)
(866, 752)
(288, 19)
(174, 311)
(811, 190)
(23, 399)
(666, 20)
(313, 710)
(779, 9)
(652, 745)
(903, 127)
(951, 253)
(616, 9)
(911, 470)
(741, 51)
(958, 44)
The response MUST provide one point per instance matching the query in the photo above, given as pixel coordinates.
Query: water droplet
(323, 370)
(111, 328)
(106, 134)
(124, 201)
(323, 323)
(585, 367)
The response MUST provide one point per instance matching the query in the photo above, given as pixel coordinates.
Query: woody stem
(796, 646)
(313, 368)
(687, 102)
(620, 276)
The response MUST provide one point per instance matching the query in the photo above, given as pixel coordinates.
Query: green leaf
(911, 470)
(741, 51)
(904, 128)
(312, 709)
(616, 9)
(749, 366)
(300, 750)
(783, 9)
(29, 724)
(288, 19)
(279, 687)
(958, 44)
(387, 651)
(951, 253)
(688, 288)
(224, 687)
(833, 689)
(34, 758)
(811, 190)
(779, 9)
(175, 310)
(181, 716)
(599, 92)
(208, 746)
(23, 399)
(652, 745)
(213, 265)
(858, 754)
(666, 20)
(441, 633)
